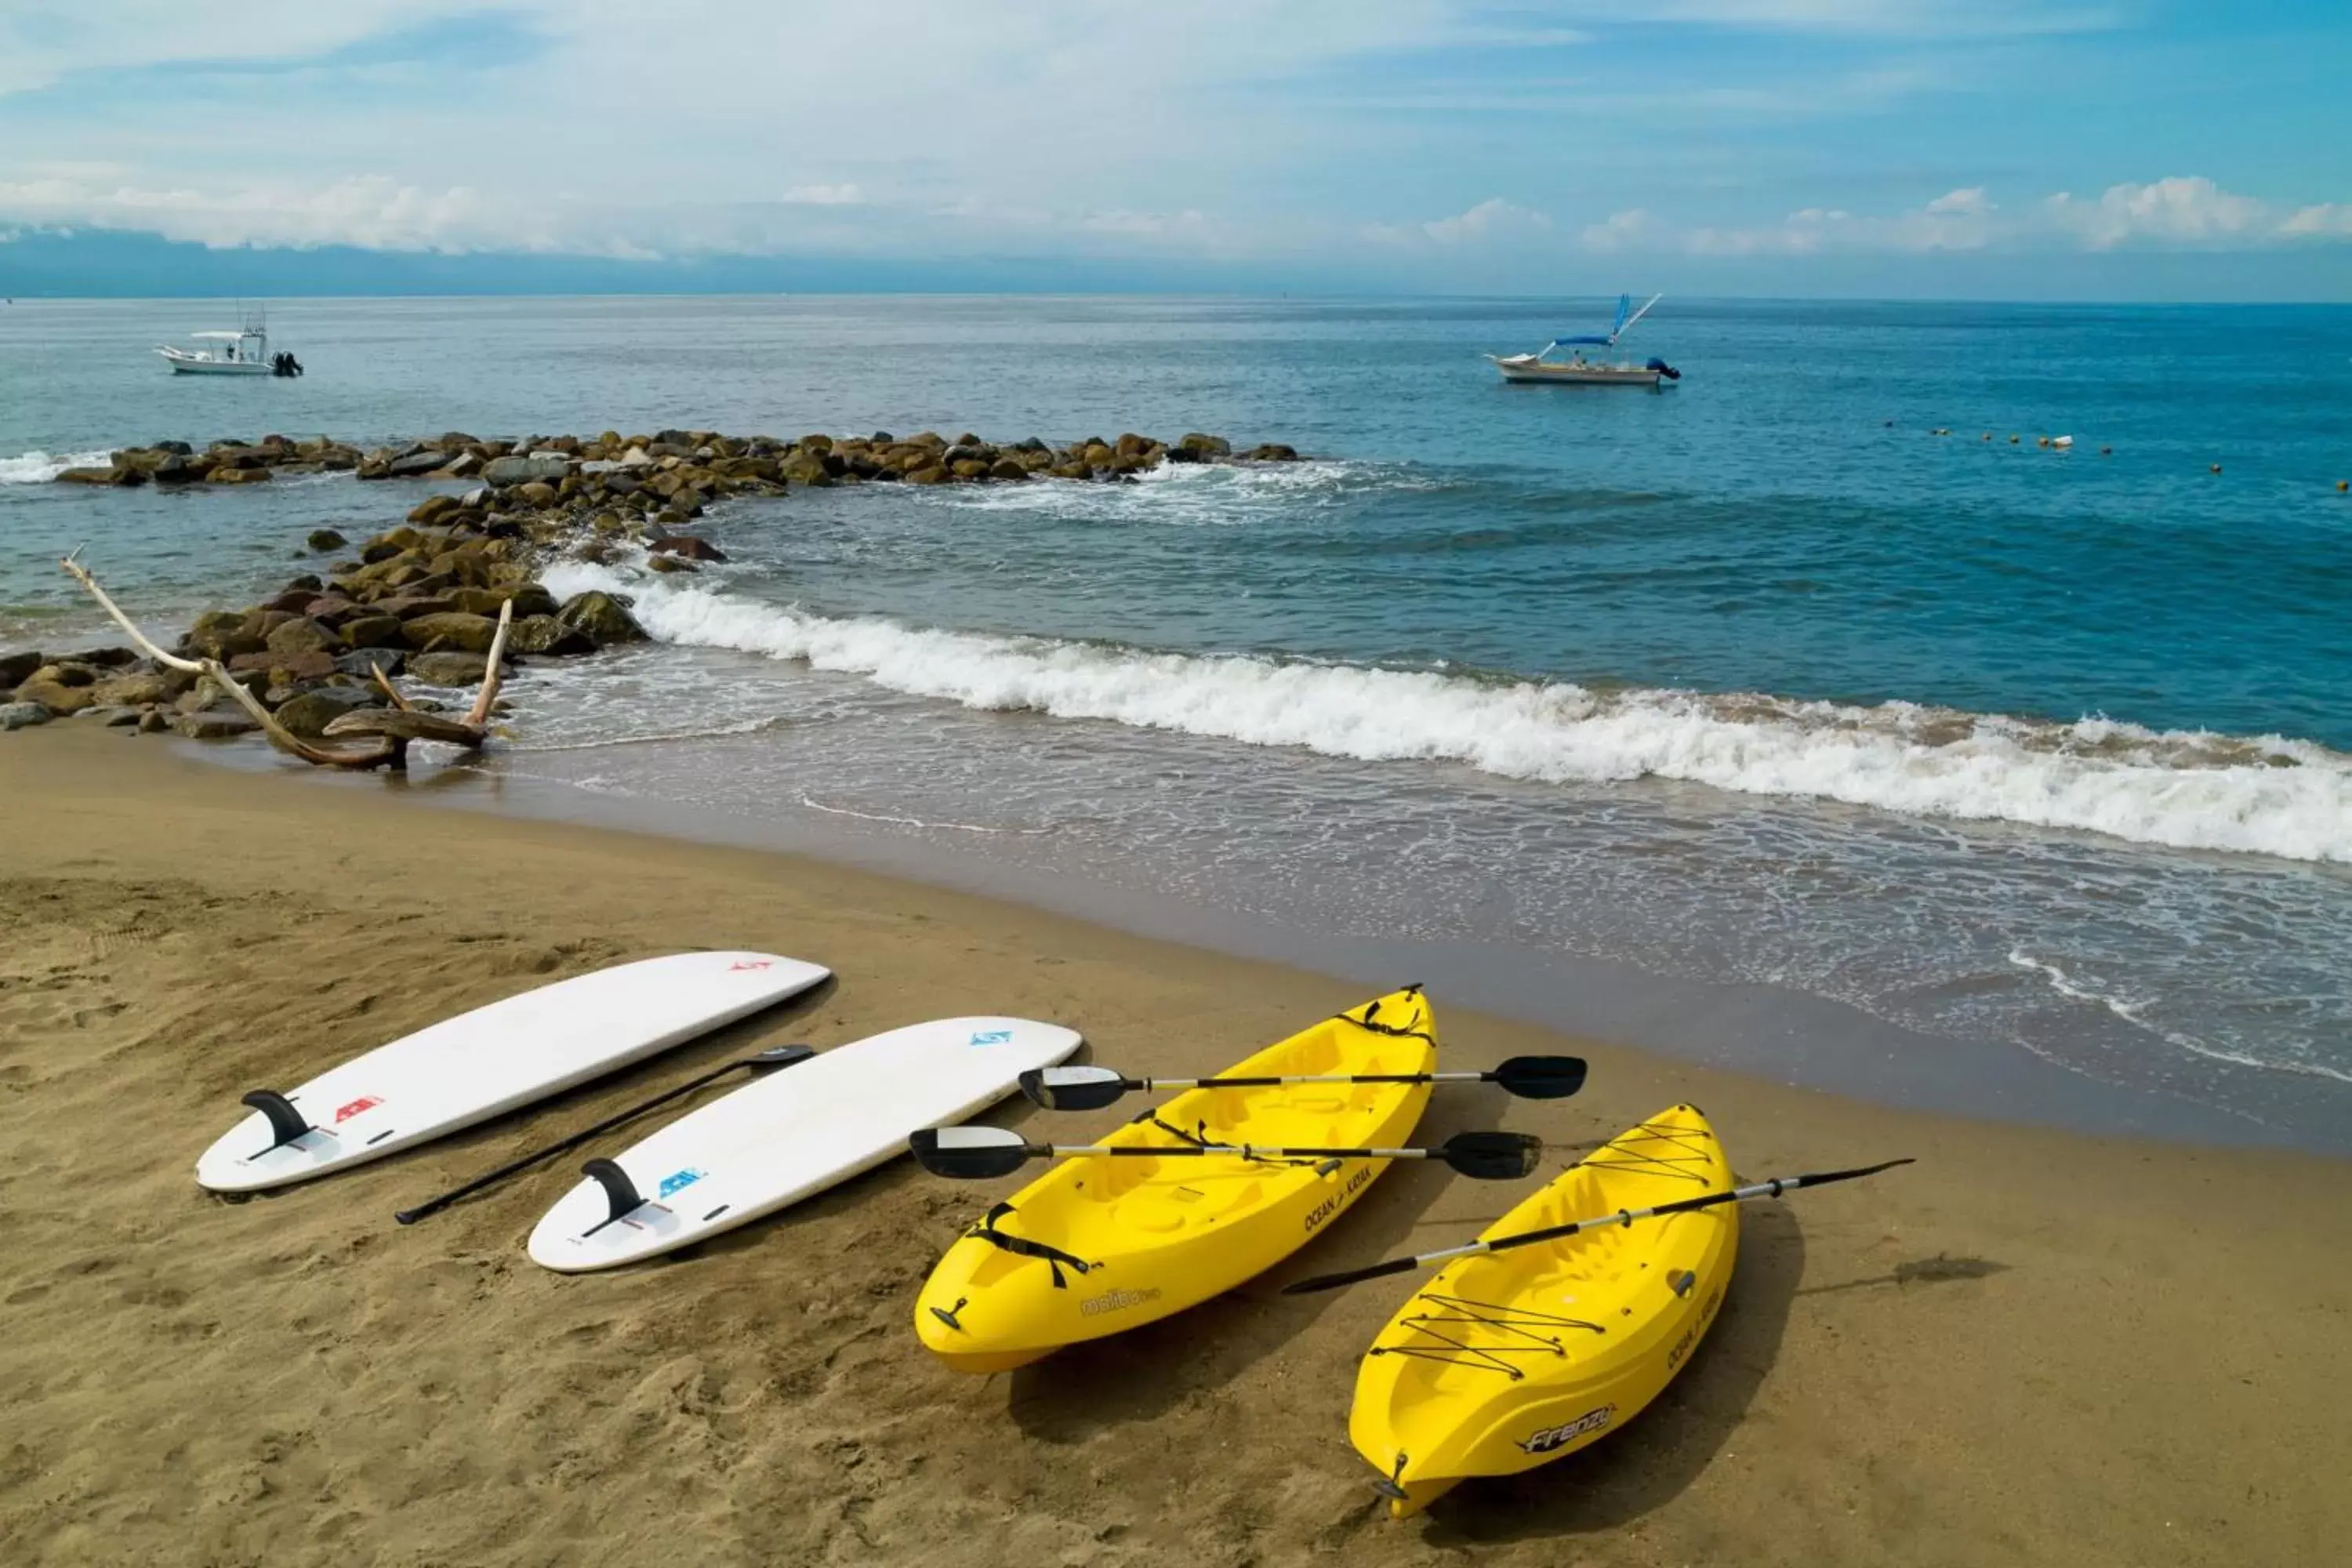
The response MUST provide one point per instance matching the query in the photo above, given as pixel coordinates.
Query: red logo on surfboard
(365, 1104)
(758, 963)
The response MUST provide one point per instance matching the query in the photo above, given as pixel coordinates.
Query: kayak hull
(1507, 1361)
(1138, 1239)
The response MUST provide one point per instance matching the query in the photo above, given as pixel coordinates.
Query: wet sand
(2030, 1347)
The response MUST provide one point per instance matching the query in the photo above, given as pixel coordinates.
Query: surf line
(815, 805)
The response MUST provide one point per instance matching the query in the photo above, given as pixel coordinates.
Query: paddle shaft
(1246, 1151)
(490, 1178)
(1773, 1188)
(1150, 1083)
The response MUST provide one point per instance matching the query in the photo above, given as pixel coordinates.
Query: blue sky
(1849, 146)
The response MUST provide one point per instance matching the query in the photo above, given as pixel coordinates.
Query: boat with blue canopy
(1577, 369)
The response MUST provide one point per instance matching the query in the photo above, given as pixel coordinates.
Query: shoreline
(297, 1376)
(1774, 1034)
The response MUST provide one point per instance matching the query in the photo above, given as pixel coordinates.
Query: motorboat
(244, 351)
(1578, 370)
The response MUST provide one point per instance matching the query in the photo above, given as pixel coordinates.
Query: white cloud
(2174, 213)
(2188, 209)
(2324, 217)
(1491, 219)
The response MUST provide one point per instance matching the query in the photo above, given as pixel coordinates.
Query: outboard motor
(1662, 368)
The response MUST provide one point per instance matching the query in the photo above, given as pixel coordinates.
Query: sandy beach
(2028, 1348)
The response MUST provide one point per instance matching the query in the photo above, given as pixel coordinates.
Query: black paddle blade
(1074, 1089)
(782, 1056)
(1494, 1156)
(969, 1154)
(1315, 1282)
(1541, 1078)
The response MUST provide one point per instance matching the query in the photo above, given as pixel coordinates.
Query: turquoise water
(1757, 680)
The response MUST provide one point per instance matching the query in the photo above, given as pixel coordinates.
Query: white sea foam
(39, 468)
(2188, 790)
(2136, 1013)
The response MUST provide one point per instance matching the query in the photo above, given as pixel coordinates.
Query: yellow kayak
(1506, 1361)
(1105, 1245)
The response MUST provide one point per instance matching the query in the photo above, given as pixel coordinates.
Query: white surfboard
(474, 1066)
(789, 1136)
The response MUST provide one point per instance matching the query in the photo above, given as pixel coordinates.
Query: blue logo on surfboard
(991, 1036)
(678, 1181)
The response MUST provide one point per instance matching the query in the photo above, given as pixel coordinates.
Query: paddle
(975, 1153)
(773, 1056)
(1092, 1087)
(1773, 1188)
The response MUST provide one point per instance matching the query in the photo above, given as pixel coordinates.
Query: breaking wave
(39, 468)
(2188, 790)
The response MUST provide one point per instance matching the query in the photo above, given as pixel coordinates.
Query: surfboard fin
(286, 1123)
(619, 1192)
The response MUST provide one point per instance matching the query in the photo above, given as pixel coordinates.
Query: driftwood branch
(384, 684)
(383, 737)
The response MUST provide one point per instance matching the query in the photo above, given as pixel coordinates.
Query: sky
(1986, 148)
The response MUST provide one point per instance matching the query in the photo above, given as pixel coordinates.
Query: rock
(373, 631)
(600, 618)
(303, 635)
(55, 688)
(450, 629)
(1201, 446)
(134, 690)
(361, 663)
(1271, 452)
(180, 469)
(154, 722)
(215, 724)
(17, 667)
(636, 458)
(225, 633)
(464, 466)
(546, 634)
(933, 474)
(284, 668)
(447, 669)
(325, 539)
(95, 476)
(116, 718)
(225, 475)
(22, 715)
(687, 546)
(1007, 469)
(522, 471)
(669, 564)
(431, 507)
(407, 606)
(413, 465)
(308, 713)
(538, 495)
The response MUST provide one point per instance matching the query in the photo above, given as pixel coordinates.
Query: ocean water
(1757, 692)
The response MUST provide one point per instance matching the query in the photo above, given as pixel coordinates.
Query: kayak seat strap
(1022, 1247)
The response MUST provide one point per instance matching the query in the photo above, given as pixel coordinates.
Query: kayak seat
(1162, 1210)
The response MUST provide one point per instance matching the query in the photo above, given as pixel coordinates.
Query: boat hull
(1577, 374)
(1156, 1236)
(1510, 1360)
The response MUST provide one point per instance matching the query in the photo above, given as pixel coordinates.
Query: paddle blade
(969, 1154)
(1541, 1078)
(1074, 1089)
(1313, 1283)
(1494, 1156)
(782, 1056)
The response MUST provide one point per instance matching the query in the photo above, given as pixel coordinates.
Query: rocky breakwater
(222, 463)
(424, 599)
